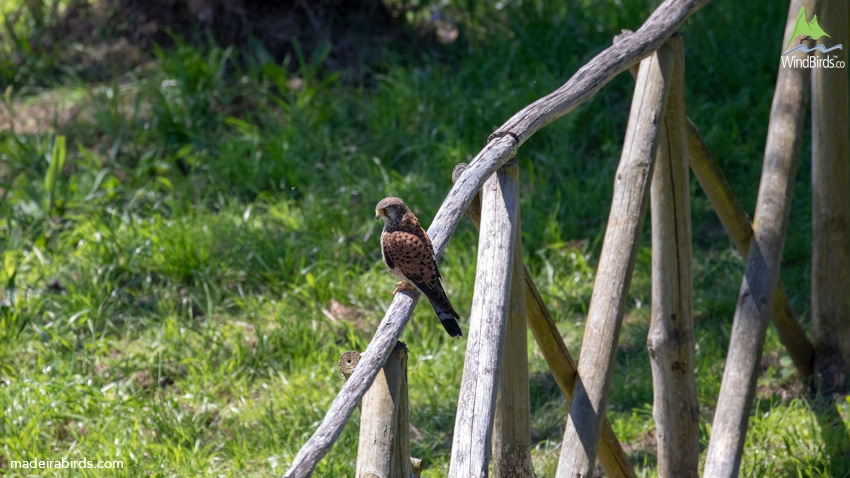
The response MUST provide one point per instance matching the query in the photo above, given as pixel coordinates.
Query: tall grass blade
(57, 160)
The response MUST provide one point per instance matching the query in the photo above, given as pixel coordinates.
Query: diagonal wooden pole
(755, 298)
(616, 263)
(737, 224)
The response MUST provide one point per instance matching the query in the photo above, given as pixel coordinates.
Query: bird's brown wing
(412, 255)
(386, 248)
(407, 251)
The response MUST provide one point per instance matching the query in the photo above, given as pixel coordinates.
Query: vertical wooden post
(614, 461)
(616, 263)
(477, 400)
(831, 206)
(383, 450)
(671, 333)
(404, 465)
(512, 424)
(378, 420)
(755, 298)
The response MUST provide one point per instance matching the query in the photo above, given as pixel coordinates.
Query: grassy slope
(209, 251)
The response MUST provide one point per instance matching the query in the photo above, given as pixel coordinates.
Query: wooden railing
(661, 146)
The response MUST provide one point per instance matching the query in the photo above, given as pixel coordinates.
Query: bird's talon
(401, 285)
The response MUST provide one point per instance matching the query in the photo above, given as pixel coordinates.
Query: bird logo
(810, 30)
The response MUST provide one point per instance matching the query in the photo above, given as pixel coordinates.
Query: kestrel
(409, 255)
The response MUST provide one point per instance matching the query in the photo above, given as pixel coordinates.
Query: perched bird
(409, 255)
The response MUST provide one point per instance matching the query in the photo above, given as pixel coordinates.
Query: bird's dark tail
(448, 318)
(440, 302)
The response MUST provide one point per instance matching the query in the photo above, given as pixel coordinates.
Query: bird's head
(390, 209)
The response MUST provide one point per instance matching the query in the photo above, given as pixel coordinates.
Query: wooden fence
(661, 146)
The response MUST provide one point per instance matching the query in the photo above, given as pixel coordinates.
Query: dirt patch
(336, 312)
(38, 114)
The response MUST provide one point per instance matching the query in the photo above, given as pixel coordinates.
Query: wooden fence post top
(347, 362)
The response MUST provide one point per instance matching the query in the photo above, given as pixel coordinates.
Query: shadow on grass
(548, 408)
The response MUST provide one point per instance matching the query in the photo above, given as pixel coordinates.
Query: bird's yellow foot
(402, 285)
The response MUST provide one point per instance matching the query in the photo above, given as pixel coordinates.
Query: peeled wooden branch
(616, 263)
(737, 224)
(490, 300)
(611, 456)
(671, 332)
(614, 461)
(756, 295)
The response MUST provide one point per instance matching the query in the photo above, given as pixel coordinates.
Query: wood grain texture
(561, 364)
(404, 465)
(831, 207)
(616, 263)
(379, 422)
(670, 340)
(512, 423)
(490, 300)
(755, 298)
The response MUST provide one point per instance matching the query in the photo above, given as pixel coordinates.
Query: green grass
(181, 277)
